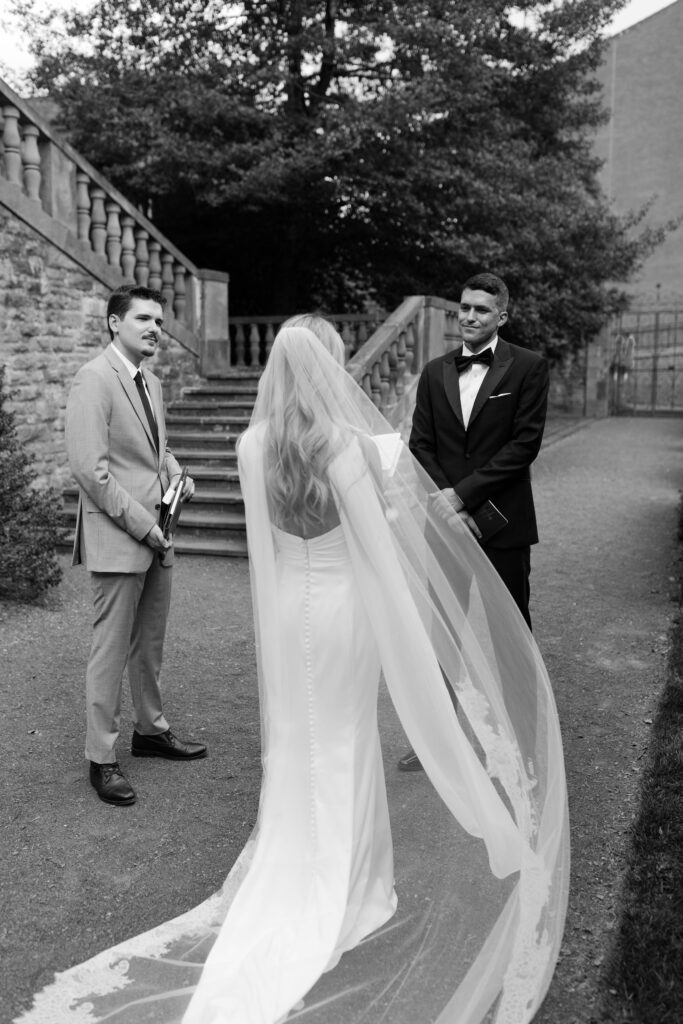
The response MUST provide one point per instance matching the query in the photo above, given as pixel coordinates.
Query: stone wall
(52, 320)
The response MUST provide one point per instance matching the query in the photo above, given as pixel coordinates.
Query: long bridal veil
(481, 843)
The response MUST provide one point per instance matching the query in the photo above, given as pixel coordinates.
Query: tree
(29, 530)
(335, 152)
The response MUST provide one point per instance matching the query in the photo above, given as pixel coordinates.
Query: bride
(358, 571)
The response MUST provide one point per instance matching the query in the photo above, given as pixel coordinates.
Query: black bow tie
(462, 362)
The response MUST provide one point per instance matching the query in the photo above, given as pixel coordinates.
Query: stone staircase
(203, 426)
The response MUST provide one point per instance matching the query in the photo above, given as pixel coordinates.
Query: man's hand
(188, 489)
(156, 540)
(456, 503)
(469, 522)
(449, 505)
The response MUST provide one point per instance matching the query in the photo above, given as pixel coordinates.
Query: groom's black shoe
(410, 762)
(111, 784)
(165, 744)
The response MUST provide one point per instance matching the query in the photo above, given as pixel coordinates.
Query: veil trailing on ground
(481, 839)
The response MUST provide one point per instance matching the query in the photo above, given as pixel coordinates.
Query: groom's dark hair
(121, 300)
(493, 285)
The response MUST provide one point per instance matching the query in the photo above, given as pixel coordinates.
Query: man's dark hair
(121, 300)
(493, 285)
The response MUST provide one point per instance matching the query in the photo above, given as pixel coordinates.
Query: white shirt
(133, 370)
(471, 378)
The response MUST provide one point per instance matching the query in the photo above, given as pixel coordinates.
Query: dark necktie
(462, 362)
(148, 408)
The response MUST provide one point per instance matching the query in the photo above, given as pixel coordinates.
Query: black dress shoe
(410, 762)
(165, 744)
(111, 784)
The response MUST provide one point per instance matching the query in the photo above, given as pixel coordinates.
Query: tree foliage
(334, 152)
(29, 530)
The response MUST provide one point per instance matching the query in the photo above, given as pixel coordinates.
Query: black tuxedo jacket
(489, 459)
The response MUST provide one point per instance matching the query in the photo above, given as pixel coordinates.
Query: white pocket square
(503, 394)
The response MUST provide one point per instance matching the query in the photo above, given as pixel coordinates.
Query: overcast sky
(14, 55)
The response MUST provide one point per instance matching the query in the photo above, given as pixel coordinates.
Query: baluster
(180, 300)
(98, 222)
(392, 363)
(155, 265)
(411, 347)
(385, 376)
(400, 364)
(30, 155)
(11, 140)
(239, 345)
(376, 384)
(141, 257)
(347, 338)
(113, 245)
(366, 384)
(361, 335)
(254, 346)
(83, 205)
(127, 247)
(270, 337)
(167, 278)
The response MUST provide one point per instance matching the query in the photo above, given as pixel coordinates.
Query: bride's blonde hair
(301, 426)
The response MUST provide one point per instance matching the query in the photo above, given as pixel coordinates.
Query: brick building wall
(642, 145)
(52, 320)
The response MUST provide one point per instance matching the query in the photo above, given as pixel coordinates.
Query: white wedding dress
(484, 905)
(321, 877)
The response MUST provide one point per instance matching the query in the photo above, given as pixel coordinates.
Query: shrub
(29, 518)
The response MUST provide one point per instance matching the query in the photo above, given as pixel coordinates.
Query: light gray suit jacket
(120, 475)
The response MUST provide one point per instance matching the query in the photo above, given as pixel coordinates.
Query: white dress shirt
(471, 378)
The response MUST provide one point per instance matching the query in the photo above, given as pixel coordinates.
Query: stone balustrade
(251, 337)
(383, 355)
(388, 365)
(44, 170)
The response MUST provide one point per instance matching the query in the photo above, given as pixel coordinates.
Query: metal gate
(646, 363)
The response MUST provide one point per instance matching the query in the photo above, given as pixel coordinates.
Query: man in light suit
(477, 427)
(116, 444)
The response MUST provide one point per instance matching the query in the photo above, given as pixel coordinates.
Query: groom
(116, 444)
(477, 427)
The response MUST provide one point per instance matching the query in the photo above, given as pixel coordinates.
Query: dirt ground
(78, 876)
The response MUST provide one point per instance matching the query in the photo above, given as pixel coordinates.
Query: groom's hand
(450, 505)
(469, 522)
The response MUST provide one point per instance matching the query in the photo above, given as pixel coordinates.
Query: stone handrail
(388, 365)
(251, 337)
(120, 242)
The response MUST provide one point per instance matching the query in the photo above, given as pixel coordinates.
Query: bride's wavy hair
(301, 423)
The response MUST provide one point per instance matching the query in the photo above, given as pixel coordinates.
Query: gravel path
(604, 593)
(78, 876)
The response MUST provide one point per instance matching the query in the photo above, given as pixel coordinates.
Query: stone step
(207, 441)
(194, 519)
(239, 387)
(176, 423)
(212, 407)
(197, 454)
(208, 477)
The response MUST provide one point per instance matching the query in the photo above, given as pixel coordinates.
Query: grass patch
(645, 972)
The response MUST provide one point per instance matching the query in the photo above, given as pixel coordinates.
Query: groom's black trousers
(513, 565)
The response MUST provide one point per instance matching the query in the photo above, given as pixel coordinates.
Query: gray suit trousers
(131, 610)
